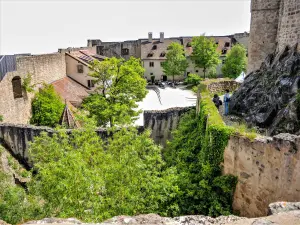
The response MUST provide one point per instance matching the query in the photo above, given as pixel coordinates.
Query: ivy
(197, 152)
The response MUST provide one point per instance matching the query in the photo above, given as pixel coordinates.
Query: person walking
(226, 102)
(217, 101)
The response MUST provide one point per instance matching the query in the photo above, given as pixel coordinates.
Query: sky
(41, 26)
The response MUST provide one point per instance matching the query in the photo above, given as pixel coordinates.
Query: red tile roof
(70, 90)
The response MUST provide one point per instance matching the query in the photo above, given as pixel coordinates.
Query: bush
(47, 107)
(193, 79)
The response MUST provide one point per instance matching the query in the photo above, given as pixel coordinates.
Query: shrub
(193, 79)
(47, 107)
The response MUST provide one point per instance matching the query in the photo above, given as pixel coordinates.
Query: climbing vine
(27, 86)
(197, 152)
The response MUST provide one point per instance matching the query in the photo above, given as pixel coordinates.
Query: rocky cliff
(269, 97)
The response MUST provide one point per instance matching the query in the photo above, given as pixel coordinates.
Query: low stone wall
(268, 170)
(16, 139)
(221, 86)
(163, 122)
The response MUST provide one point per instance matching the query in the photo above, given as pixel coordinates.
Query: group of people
(218, 102)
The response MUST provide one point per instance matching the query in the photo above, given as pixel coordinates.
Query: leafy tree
(176, 62)
(193, 79)
(47, 107)
(99, 180)
(236, 62)
(120, 85)
(205, 53)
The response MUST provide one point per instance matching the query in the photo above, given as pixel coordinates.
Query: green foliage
(176, 62)
(1, 118)
(193, 79)
(47, 107)
(120, 86)
(236, 62)
(80, 176)
(197, 152)
(205, 53)
(28, 87)
(15, 205)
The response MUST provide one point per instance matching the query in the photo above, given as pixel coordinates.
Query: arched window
(17, 87)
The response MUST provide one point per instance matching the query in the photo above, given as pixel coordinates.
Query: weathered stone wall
(43, 68)
(221, 86)
(268, 170)
(263, 31)
(163, 122)
(114, 49)
(16, 138)
(274, 24)
(289, 25)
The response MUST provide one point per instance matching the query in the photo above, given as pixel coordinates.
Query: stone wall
(222, 86)
(268, 170)
(263, 31)
(274, 24)
(43, 68)
(289, 26)
(163, 122)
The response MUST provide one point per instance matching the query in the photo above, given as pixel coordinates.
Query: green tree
(120, 85)
(235, 62)
(47, 107)
(205, 53)
(176, 62)
(99, 180)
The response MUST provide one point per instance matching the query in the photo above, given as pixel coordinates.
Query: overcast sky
(40, 26)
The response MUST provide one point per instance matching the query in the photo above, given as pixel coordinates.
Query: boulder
(268, 97)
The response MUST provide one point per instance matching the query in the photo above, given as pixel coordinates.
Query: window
(189, 44)
(217, 43)
(151, 64)
(227, 44)
(154, 47)
(80, 68)
(125, 51)
(151, 74)
(100, 50)
(223, 61)
(188, 73)
(17, 87)
(197, 71)
(150, 54)
(224, 51)
(163, 54)
(161, 63)
(90, 84)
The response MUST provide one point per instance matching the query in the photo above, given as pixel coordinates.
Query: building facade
(152, 52)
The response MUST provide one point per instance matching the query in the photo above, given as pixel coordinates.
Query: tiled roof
(70, 90)
(220, 40)
(147, 47)
(148, 51)
(86, 55)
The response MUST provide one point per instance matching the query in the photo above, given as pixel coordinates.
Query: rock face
(268, 96)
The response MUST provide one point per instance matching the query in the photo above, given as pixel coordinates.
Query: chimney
(150, 36)
(161, 39)
(89, 43)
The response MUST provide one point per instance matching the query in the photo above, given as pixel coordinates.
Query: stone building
(274, 24)
(15, 102)
(152, 51)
